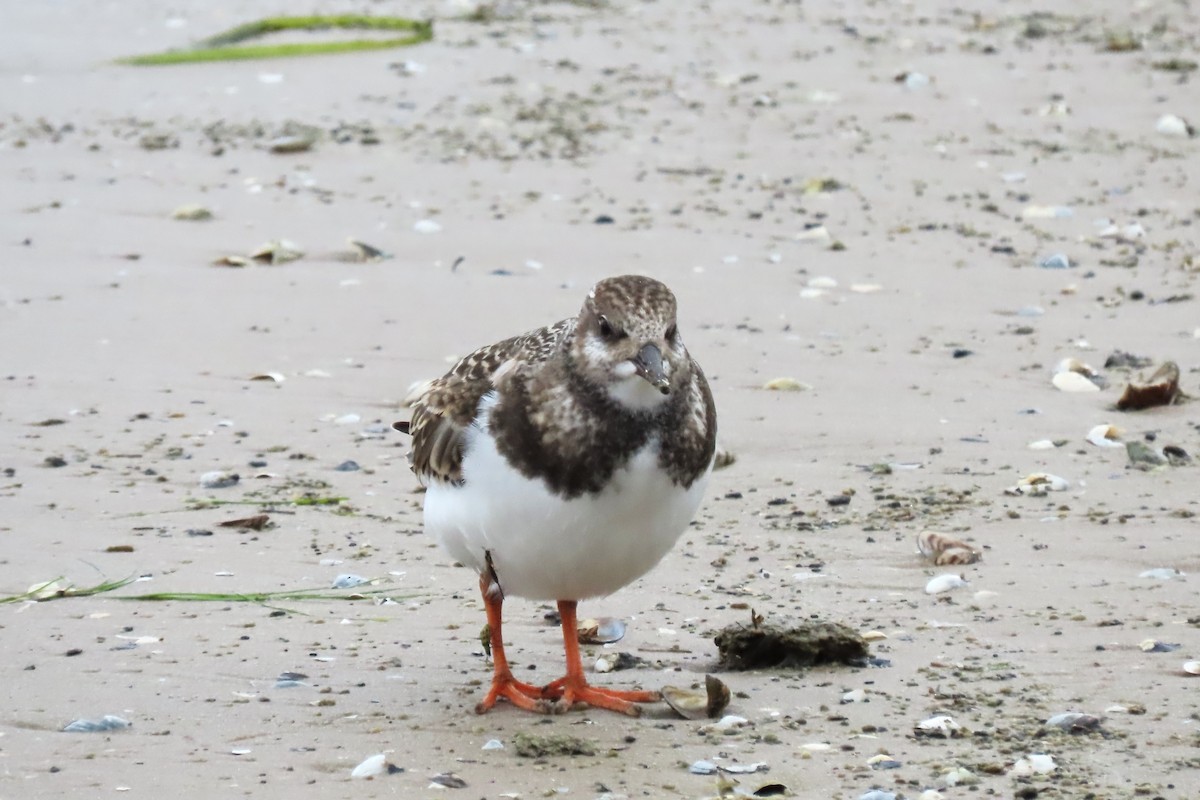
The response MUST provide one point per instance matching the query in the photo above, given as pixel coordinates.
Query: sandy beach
(904, 217)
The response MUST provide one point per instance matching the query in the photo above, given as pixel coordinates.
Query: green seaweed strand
(223, 46)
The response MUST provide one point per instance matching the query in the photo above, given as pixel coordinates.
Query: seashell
(365, 252)
(373, 766)
(493, 744)
(426, 226)
(219, 479)
(46, 589)
(1173, 125)
(691, 704)
(745, 769)
(192, 213)
(1055, 261)
(615, 662)
(293, 143)
(255, 523)
(931, 794)
(348, 581)
(873, 636)
(1161, 389)
(1176, 456)
(816, 747)
(601, 630)
(942, 726)
(447, 780)
(1073, 382)
(1105, 436)
(273, 377)
(877, 794)
(866, 288)
(703, 768)
(853, 696)
(785, 385)
(1161, 573)
(945, 550)
(817, 233)
(1191, 667)
(1033, 764)
(726, 722)
(108, 722)
(232, 261)
(1074, 722)
(945, 583)
(959, 776)
(822, 282)
(277, 251)
(1155, 646)
(1047, 212)
(1037, 484)
(1043, 444)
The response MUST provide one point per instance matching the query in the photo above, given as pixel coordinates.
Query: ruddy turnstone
(564, 463)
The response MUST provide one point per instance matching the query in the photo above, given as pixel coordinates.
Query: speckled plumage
(553, 420)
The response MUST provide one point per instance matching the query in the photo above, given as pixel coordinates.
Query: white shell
(370, 767)
(1034, 764)
(1073, 382)
(1105, 436)
(1191, 667)
(1042, 444)
(945, 583)
(943, 724)
(426, 226)
(1038, 484)
(1172, 125)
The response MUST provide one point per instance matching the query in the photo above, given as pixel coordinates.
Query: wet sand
(857, 197)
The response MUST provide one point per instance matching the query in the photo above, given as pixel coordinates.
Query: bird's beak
(649, 365)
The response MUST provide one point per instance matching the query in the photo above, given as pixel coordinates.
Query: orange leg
(573, 687)
(521, 695)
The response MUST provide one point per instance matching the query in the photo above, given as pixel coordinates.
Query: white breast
(545, 547)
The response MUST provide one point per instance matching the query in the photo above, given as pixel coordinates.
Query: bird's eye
(672, 332)
(607, 330)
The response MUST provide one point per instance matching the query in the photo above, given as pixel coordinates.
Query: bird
(563, 464)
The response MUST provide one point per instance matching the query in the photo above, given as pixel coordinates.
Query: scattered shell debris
(944, 550)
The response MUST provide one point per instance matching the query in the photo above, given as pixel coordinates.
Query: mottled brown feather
(443, 413)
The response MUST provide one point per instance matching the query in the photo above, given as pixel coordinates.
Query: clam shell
(1191, 667)
(691, 704)
(941, 725)
(944, 550)
(945, 583)
(1105, 436)
(1073, 382)
(601, 630)
(1074, 722)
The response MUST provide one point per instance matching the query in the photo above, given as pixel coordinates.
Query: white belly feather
(545, 547)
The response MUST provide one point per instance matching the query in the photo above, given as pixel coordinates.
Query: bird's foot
(567, 692)
(520, 694)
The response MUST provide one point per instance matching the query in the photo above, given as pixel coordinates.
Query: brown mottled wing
(444, 412)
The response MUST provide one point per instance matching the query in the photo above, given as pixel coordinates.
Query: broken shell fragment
(365, 252)
(1105, 436)
(691, 704)
(601, 630)
(785, 385)
(944, 550)
(277, 251)
(192, 213)
(945, 583)
(1162, 389)
(940, 726)
(1037, 484)
(1074, 722)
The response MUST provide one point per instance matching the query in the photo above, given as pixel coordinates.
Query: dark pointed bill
(650, 366)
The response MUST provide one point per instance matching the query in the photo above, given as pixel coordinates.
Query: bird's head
(627, 341)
